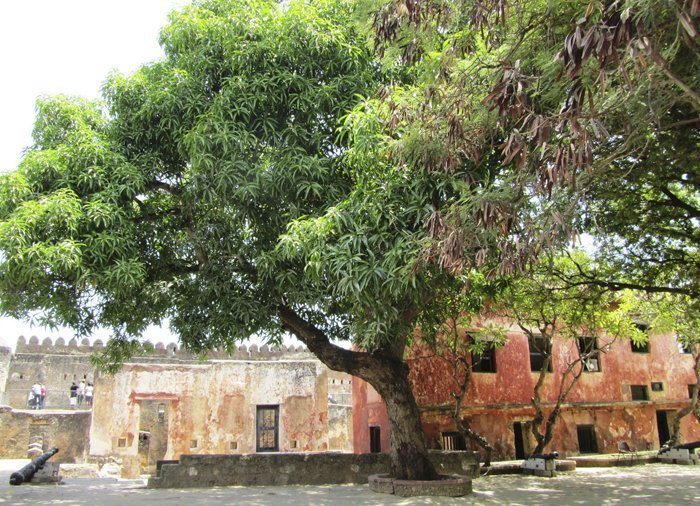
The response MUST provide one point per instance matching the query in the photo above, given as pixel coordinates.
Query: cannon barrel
(688, 446)
(25, 474)
(545, 456)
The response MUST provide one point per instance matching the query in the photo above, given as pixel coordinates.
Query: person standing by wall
(73, 395)
(36, 394)
(81, 392)
(42, 399)
(88, 394)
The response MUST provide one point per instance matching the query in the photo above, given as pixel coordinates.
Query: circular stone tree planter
(447, 485)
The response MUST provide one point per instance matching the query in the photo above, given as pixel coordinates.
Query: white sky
(67, 47)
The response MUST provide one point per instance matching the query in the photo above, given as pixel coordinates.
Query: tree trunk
(408, 452)
(386, 371)
(676, 426)
(465, 429)
(694, 406)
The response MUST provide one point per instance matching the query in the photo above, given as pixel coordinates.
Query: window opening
(453, 441)
(588, 350)
(267, 439)
(641, 347)
(537, 348)
(639, 392)
(375, 440)
(486, 362)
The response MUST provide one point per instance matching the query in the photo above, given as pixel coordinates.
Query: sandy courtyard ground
(654, 484)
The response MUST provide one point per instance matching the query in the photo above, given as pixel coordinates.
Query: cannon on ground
(680, 454)
(541, 464)
(25, 474)
(545, 456)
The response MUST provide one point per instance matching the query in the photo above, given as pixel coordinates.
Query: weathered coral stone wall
(68, 431)
(56, 365)
(211, 408)
(340, 434)
(293, 469)
(5, 360)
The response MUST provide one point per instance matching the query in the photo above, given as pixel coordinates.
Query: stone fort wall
(5, 359)
(57, 364)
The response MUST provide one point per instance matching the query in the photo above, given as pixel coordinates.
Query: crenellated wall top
(59, 346)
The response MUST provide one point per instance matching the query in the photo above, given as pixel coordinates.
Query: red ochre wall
(495, 401)
(368, 411)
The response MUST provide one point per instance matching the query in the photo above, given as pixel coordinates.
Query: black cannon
(688, 446)
(25, 474)
(545, 456)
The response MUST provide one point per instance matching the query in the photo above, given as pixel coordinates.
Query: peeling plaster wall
(368, 411)
(68, 431)
(340, 430)
(212, 407)
(494, 401)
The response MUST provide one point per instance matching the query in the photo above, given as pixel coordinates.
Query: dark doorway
(519, 444)
(375, 440)
(662, 425)
(153, 433)
(267, 422)
(587, 442)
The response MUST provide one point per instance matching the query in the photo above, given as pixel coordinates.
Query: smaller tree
(461, 351)
(449, 334)
(546, 309)
(679, 314)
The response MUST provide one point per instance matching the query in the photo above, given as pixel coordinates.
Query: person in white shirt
(36, 396)
(81, 392)
(88, 394)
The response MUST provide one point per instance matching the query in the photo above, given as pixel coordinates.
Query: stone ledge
(447, 486)
(281, 469)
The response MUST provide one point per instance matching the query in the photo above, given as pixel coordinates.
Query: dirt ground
(653, 484)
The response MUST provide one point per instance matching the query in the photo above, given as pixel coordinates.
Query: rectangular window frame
(452, 441)
(657, 386)
(536, 355)
(486, 362)
(639, 392)
(683, 348)
(266, 427)
(589, 345)
(642, 347)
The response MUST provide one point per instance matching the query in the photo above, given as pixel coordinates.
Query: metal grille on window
(267, 428)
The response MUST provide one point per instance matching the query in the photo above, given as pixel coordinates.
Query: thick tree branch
(674, 201)
(161, 185)
(591, 279)
(335, 357)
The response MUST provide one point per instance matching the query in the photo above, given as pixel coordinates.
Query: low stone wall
(68, 431)
(280, 469)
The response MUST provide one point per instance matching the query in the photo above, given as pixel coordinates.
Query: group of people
(80, 393)
(37, 396)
